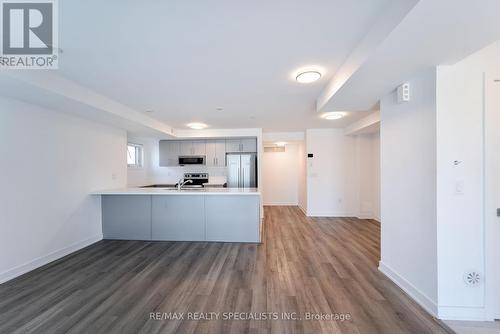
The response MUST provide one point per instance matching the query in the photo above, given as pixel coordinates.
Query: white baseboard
(280, 204)
(427, 304)
(364, 216)
(462, 313)
(43, 260)
(331, 214)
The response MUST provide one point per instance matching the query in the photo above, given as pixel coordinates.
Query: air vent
(472, 278)
(274, 149)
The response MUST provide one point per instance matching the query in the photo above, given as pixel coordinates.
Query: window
(134, 155)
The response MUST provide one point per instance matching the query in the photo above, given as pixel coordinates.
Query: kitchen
(292, 158)
(190, 204)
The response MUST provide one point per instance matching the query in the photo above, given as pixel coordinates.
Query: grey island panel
(178, 218)
(232, 218)
(126, 217)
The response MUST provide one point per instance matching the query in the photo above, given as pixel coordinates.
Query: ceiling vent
(472, 278)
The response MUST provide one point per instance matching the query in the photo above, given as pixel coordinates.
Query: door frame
(491, 200)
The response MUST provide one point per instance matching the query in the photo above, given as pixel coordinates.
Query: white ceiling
(434, 32)
(183, 59)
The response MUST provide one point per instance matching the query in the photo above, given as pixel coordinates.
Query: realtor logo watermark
(29, 34)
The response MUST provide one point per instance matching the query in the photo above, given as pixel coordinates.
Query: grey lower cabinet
(126, 217)
(178, 218)
(226, 218)
(232, 218)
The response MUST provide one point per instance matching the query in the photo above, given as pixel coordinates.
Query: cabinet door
(186, 147)
(211, 148)
(126, 217)
(169, 153)
(220, 153)
(178, 218)
(240, 223)
(233, 145)
(249, 145)
(199, 147)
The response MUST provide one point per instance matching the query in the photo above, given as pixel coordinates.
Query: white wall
(365, 177)
(139, 176)
(408, 190)
(280, 171)
(330, 173)
(302, 196)
(51, 163)
(340, 175)
(375, 142)
(460, 129)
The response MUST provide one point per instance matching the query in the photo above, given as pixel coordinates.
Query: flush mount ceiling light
(333, 115)
(280, 143)
(308, 77)
(197, 126)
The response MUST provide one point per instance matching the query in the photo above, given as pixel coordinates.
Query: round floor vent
(472, 278)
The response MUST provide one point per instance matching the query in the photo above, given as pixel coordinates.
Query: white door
(492, 194)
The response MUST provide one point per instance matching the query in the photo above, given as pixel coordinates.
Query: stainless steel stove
(198, 179)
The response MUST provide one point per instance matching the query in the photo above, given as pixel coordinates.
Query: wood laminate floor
(326, 267)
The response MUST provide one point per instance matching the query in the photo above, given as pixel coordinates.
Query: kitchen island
(168, 214)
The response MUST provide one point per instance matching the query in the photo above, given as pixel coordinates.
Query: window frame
(139, 155)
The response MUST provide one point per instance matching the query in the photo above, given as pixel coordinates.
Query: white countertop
(170, 191)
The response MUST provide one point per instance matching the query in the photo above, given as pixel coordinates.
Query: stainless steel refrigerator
(242, 170)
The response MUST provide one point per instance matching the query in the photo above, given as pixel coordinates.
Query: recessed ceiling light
(196, 126)
(280, 143)
(308, 76)
(333, 115)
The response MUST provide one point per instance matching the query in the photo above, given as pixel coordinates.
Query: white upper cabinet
(169, 153)
(199, 147)
(247, 145)
(193, 147)
(214, 149)
(233, 145)
(216, 152)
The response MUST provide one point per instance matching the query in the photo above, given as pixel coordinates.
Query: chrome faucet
(181, 183)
